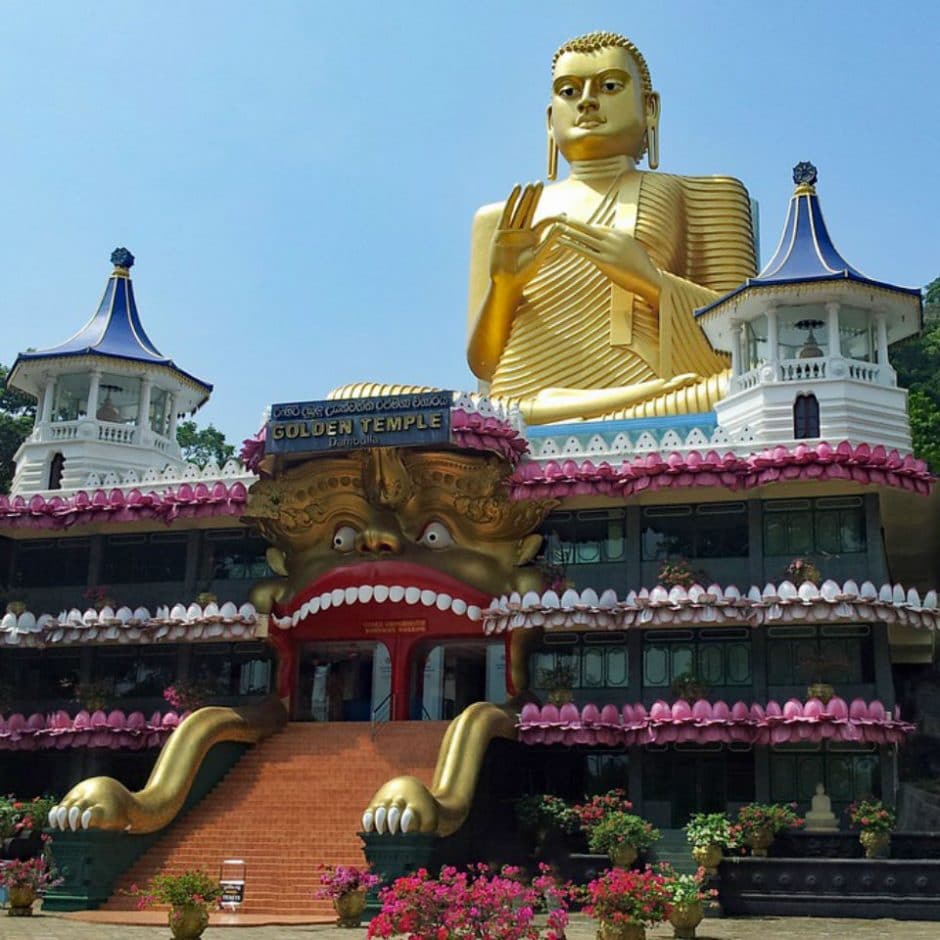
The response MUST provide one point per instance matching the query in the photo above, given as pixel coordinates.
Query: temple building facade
(709, 584)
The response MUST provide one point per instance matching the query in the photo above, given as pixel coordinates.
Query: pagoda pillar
(94, 386)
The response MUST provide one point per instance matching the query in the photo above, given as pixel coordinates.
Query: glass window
(830, 525)
(160, 556)
(805, 417)
(593, 661)
(716, 657)
(51, 563)
(70, 401)
(136, 673)
(830, 653)
(231, 669)
(159, 419)
(848, 773)
(710, 530)
(118, 399)
(233, 555)
(587, 537)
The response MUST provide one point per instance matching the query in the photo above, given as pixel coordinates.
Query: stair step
(291, 803)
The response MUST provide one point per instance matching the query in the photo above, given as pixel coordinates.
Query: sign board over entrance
(350, 423)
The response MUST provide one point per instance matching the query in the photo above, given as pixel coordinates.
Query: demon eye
(344, 539)
(436, 535)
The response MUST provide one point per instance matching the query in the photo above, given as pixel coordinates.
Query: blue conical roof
(805, 253)
(115, 330)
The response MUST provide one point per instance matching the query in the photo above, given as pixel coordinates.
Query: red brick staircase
(292, 802)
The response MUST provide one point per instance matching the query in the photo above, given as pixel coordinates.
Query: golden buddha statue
(582, 292)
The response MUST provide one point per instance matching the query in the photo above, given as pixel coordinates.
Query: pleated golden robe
(576, 330)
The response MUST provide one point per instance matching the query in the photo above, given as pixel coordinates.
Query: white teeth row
(391, 818)
(61, 817)
(379, 594)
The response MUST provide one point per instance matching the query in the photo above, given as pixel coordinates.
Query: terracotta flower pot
(685, 918)
(349, 908)
(608, 931)
(21, 902)
(708, 856)
(759, 840)
(876, 844)
(623, 856)
(188, 921)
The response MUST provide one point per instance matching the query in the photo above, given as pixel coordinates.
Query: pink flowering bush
(622, 896)
(341, 879)
(192, 888)
(185, 696)
(595, 809)
(471, 905)
(32, 873)
(871, 816)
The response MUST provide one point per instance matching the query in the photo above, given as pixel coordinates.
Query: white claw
(61, 816)
(73, 818)
(367, 820)
(380, 815)
(394, 814)
(86, 819)
(407, 819)
(53, 817)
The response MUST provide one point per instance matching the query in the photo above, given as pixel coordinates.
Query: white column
(773, 341)
(735, 348)
(835, 346)
(48, 396)
(171, 404)
(143, 411)
(881, 336)
(93, 389)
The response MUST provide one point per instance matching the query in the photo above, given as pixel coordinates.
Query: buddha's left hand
(615, 253)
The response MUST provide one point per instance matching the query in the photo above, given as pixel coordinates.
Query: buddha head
(603, 103)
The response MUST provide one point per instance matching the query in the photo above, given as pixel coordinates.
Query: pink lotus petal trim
(864, 464)
(58, 730)
(714, 722)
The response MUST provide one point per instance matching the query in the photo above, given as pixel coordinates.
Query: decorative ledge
(167, 625)
(861, 464)
(117, 505)
(714, 605)
(704, 722)
(59, 730)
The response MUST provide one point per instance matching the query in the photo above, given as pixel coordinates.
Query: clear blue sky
(297, 179)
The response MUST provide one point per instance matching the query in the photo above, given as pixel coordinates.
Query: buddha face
(599, 108)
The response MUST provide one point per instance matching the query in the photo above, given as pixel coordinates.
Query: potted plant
(625, 903)
(760, 822)
(621, 836)
(186, 696)
(689, 686)
(677, 572)
(819, 668)
(94, 696)
(589, 814)
(803, 569)
(559, 680)
(26, 880)
(189, 894)
(474, 905)
(21, 825)
(875, 821)
(543, 813)
(688, 898)
(346, 887)
(710, 834)
(100, 597)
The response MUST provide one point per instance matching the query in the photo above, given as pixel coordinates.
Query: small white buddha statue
(820, 817)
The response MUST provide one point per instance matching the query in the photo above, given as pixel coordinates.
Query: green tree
(917, 361)
(200, 445)
(17, 413)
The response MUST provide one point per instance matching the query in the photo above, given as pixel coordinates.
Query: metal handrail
(377, 720)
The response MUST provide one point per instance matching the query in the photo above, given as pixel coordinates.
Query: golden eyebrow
(563, 80)
(619, 74)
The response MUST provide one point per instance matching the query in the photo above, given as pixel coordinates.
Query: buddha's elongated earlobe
(551, 171)
(652, 129)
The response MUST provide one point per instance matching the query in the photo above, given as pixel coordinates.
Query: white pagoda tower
(108, 400)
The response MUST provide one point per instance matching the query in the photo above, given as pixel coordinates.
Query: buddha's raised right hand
(519, 247)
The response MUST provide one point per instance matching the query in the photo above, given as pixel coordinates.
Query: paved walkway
(50, 927)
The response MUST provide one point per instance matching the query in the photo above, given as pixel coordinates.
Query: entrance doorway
(447, 677)
(337, 681)
(678, 783)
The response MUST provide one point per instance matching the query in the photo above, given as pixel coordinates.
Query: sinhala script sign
(349, 423)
